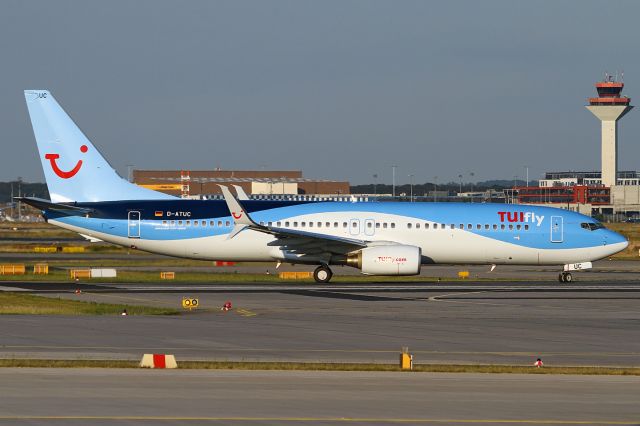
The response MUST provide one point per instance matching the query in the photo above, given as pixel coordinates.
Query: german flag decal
(158, 214)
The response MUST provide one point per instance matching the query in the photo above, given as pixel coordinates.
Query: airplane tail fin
(74, 169)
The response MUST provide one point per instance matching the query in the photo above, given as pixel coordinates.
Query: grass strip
(26, 304)
(310, 366)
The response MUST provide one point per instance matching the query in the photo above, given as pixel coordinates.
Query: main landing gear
(322, 274)
(565, 277)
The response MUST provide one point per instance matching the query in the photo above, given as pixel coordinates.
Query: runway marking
(441, 298)
(245, 313)
(393, 287)
(328, 419)
(12, 289)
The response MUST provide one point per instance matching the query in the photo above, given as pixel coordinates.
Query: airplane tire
(561, 277)
(568, 277)
(322, 274)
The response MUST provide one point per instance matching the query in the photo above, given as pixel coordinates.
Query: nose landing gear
(322, 274)
(565, 277)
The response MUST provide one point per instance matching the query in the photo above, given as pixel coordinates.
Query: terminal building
(256, 183)
(605, 192)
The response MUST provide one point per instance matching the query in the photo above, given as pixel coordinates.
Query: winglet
(240, 216)
(242, 196)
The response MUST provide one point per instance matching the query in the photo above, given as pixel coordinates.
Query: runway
(115, 397)
(505, 323)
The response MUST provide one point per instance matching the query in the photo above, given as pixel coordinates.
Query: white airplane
(379, 238)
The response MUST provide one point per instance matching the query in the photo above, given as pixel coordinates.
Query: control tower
(609, 107)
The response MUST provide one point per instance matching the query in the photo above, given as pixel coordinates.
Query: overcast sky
(340, 89)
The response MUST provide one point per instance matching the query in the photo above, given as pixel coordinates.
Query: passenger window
(510, 226)
(518, 227)
(179, 223)
(377, 225)
(269, 223)
(408, 226)
(495, 226)
(369, 225)
(173, 223)
(335, 224)
(319, 224)
(188, 223)
(486, 226)
(164, 222)
(426, 226)
(384, 225)
(310, 224)
(212, 223)
(328, 224)
(286, 224)
(393, 225)
(469, 226)
(417, 226)
(303, 224)
(478, 226)
(453, 226)
(261, 223)
(195, 223)
(344, 224)
(219, 223)
(295, 224)
(526, 227)
(204, 223)
(278, 224)
(227, 223)
(462, 226)
(502, 226)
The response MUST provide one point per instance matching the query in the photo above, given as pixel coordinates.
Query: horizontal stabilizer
(42, 204)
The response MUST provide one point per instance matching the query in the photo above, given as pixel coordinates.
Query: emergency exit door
(556, 229)
(134, 224)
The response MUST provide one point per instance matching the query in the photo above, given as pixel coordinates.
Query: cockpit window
(592, 226)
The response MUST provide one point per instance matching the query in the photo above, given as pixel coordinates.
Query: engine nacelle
(387, 260)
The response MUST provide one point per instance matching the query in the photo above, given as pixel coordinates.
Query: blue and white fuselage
(384, 238)
(444, 232)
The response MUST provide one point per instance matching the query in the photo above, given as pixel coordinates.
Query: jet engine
(387, 260)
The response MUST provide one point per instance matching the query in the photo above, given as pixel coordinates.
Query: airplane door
(134, 224)
(354, 226)
(369, 227)
(556, 229)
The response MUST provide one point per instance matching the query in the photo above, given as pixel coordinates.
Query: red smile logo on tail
(61, 173)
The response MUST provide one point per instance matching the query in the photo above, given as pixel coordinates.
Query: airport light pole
(435, 189)
(375, 184)
(11, 203)
(471, 175)
(19, 202)
(411, 186)
(527, 169)
(460, 176)
(393, 168)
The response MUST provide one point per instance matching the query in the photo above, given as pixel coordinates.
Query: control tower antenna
(609, 107)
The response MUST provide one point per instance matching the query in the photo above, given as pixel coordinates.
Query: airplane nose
(613, 238)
